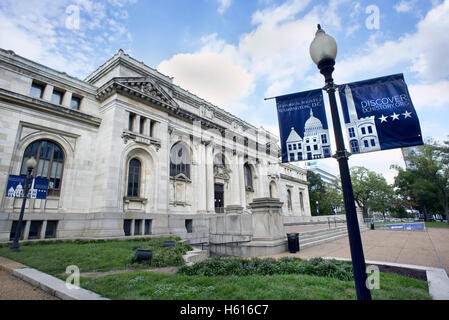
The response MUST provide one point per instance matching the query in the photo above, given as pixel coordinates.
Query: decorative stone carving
(221, 172)
(138, 138)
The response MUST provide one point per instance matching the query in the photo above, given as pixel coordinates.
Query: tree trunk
(425, 212)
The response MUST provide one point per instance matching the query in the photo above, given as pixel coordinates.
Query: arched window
(50, 163)
(179, 160)
(134, 170)
(289, 199)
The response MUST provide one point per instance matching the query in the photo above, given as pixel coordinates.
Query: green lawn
(151, 286)
(429, 224)
(91, 256)
(94, 256)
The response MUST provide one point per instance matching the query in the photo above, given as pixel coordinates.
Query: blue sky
(234, 53)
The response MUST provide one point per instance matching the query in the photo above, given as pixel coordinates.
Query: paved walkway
(12, 288)
(429, 248)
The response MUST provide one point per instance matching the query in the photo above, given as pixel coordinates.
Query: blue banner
(379, 114)
(16, 185)
(407, 226)
(303, 126)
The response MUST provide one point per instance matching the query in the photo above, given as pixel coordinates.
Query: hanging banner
(16, 185)
(303, 126)
(379, 114)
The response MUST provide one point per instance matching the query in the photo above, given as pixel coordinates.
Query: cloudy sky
(234, 53)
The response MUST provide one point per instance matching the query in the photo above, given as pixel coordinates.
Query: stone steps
(317, 237)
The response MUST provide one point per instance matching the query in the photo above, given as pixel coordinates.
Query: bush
(162, 256)
(219, 266)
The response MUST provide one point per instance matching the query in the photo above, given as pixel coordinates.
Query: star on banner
(407, 114)
(383, 119)
(395, 116)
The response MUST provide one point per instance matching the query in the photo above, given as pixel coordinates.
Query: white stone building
(129, 153)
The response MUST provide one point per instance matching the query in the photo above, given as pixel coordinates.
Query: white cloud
(37, 29)
(405, 6)
(223, 5)
(211, 76)
(435, 95)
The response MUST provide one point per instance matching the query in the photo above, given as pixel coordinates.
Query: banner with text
(303, 126)
(379, 114)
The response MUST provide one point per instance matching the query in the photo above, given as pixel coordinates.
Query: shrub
(218, 266)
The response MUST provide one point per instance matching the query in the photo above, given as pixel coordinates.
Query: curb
(437, 278)
(53, 286)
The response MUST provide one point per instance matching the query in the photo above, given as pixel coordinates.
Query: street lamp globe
(31, 163)
(323, 47)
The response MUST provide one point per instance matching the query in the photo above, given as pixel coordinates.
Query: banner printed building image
(127, 153)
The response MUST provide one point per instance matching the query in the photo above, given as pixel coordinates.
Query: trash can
(293, 242)
(372, 226)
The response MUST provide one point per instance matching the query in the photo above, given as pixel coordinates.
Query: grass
(106, 255)
(142, 285)
(430, 224)
(94, 256)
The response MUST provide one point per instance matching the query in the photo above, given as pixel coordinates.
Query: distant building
(327, 177)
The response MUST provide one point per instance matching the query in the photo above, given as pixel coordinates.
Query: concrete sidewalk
(423, 248)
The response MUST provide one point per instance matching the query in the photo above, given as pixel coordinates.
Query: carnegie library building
(128, 153)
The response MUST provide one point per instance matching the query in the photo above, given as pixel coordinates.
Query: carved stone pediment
(221, 172)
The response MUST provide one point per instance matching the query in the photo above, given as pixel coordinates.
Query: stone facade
(140, 155)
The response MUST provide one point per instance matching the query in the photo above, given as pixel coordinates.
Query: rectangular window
(299, 156)
(50, 231)
(132, 116)
(351, 132)
(308, 148)
(363, 130)
(137, 226)
(56, 96)
(290, 147)
(75, 103)
(315, 147)
(189, 225)
(142, 125)
(35, 230)
(14, 228)
(127, 227)
(299, 146)
(370, 129)
(366, 143)
(148, 224)
(294, 147)
(37, 90)
(324, 139)
(373, 143)
(292, 157)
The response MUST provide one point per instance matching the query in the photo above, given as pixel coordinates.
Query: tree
(426, 177)
(371, 190)
(328, 198)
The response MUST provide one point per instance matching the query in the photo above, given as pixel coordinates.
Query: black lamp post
(30, 164)
(323, 51)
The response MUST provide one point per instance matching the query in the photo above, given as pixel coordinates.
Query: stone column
(241, 173)
(210, 204)
(267, 219)
(48, 91)
(136, 124)
(202, 179)
(67, 99)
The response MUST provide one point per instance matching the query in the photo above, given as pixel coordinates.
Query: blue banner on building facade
(379, 114)
(16, 185)
(303, 126)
